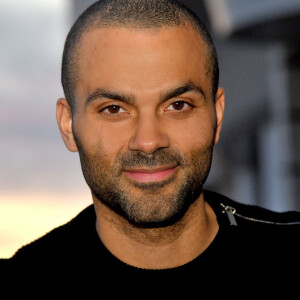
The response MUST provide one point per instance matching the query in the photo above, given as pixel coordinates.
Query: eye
(113, 110)
(178, 106)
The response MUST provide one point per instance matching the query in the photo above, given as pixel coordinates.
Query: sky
(41, 183)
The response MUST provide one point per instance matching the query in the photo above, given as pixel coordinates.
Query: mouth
(150, 175)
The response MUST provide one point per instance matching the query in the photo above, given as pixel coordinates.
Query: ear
(219, 106)
(64, 120)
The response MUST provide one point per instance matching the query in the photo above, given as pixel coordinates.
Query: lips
(150, 175)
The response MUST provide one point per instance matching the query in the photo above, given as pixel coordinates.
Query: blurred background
(256, 161)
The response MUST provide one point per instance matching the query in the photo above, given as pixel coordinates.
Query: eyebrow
(102, 93)
(187, 87)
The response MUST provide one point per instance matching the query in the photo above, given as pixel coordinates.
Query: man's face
(145, 123)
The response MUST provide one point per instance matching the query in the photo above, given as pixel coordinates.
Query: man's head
(147, 112)
(134, 14)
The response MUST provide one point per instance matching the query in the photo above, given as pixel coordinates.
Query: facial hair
(152, 204)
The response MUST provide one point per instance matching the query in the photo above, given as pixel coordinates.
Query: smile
(150, 175)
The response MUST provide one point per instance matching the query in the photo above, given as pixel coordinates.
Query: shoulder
(258, 238)
(250, 215)
(60, 240)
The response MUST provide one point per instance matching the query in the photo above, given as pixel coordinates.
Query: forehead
(140, 60)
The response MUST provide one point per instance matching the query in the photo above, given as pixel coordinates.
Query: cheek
(194, 133)
(109, 138)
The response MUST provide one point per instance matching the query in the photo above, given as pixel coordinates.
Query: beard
(149, 204)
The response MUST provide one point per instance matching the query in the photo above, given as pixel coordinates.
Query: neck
(157, 248)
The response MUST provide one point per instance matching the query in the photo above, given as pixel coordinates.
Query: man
(144, 111)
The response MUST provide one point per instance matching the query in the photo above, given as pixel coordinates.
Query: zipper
(231, 213)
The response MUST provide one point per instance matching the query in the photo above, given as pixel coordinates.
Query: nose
(148, 136)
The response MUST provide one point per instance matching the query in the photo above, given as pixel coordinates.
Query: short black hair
(140, 14)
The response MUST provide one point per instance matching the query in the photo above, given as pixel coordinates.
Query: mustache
(137, 159)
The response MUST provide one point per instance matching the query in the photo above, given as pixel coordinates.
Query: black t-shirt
(261, 249)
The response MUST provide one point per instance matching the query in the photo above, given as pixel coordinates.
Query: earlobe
(219, 106)
(64, 121)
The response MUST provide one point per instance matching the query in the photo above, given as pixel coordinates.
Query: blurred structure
(258, 44)
(258, 41)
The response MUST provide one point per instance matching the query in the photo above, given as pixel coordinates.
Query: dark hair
(139, 14)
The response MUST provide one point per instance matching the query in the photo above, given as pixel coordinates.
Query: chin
(153, 208)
